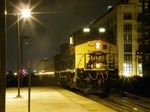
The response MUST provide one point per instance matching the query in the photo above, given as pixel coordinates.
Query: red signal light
(137, 52)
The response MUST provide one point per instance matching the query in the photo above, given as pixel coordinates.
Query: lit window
(140, 68)
(127, 69)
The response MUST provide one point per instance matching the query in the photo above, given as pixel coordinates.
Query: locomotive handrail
(98, 69)
(103, 75)
(92, 77)
(80, 60)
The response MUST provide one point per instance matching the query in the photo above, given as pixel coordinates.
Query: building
(123, 20)
(144, 45)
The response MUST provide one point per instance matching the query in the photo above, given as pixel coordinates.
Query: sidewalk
(50, 99)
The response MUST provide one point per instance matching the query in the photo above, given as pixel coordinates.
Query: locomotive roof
(80, 36)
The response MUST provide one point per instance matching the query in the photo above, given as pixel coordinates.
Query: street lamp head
(25, 13)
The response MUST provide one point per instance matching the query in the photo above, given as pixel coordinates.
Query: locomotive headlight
(102, 30)
(97, 65)
(86, 30)
(97, 46)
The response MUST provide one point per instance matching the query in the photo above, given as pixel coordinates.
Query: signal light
(137, 52)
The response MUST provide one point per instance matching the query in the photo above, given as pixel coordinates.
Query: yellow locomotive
(88, 62)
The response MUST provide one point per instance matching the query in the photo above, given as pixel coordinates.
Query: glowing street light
(24, 14)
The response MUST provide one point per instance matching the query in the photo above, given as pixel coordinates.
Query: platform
(51, 99)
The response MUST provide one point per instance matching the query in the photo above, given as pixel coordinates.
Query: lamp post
(18, 53)
(24, 14)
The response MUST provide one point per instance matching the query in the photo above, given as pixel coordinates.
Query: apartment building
(123, 20)
(144, 42)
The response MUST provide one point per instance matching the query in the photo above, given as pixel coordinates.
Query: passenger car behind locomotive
(89, 62)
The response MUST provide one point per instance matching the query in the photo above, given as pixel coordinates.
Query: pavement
(50, 99)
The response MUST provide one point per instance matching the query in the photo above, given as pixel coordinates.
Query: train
(88, 62)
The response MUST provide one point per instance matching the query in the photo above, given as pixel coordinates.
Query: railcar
(46, 67)
(88, 62)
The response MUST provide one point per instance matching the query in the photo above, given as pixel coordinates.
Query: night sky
(55, 21)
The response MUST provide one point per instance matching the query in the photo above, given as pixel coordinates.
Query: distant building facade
(124, 21)
(144, 45)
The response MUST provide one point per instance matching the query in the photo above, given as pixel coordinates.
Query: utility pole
(2, 53)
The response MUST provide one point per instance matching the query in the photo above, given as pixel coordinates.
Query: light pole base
(18, 96)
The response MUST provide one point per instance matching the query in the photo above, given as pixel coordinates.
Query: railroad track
(132, 96)
(137, 100)
(132, 104)
(123, 103)
(110, 104)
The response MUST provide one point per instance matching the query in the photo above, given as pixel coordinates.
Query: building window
(127, 16)
(127, 47)
(128, 37)
(139, 38)
(111, 19)
(114, 30)
(127, 27)
(140, 59)
(140, 68)
(147, 59)
(139, 28)
(139, 17)
(127, 69)
(115, 17)
(127, 58)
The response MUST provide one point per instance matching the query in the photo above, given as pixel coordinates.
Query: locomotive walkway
(51, 99)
